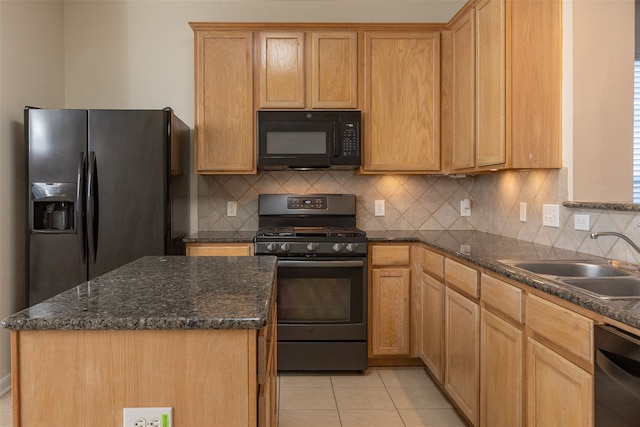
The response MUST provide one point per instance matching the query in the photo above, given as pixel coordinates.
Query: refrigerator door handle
(80, 206)
(92, 226)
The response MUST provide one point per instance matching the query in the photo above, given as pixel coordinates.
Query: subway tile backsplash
(425, 202)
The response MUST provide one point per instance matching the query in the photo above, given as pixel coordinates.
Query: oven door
(322, 299)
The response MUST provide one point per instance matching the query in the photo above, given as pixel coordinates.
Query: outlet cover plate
(148, 417)
(581, 222)
(379, 208)
(551, 215)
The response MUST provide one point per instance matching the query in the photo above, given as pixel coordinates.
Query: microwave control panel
(350, 139)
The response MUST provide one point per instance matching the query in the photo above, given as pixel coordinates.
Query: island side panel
(88, 377)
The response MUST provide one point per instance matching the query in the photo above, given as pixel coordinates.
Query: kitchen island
(193, 333)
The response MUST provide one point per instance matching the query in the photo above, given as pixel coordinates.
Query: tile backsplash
(426, 202)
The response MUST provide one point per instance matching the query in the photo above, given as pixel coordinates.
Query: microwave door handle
(337, 144)
(618, 373)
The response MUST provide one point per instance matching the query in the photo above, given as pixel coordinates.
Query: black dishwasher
(617, 377)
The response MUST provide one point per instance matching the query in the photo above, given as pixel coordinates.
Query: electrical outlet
(581, 222)
(232, 208)
(551, 215)
(523, 211)
(148, 417)
(379, 208)
(465, 207)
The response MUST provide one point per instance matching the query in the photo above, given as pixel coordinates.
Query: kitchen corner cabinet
(389, 307)
(219, 249)
(512, 52)
(316, 69)
(224, 114)
(401, 112)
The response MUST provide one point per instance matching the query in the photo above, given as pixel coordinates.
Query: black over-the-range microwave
(308, 140)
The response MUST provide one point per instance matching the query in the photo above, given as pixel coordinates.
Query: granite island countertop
(169, 292)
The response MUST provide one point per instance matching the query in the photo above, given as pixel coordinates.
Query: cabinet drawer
(461, 277)
(389, 255)
(569, 332)
(503, 297)
(432, 263)
(212, 249)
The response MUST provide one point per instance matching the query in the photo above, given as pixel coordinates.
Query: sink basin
(614, 288)
(568, 268)
(599, 279)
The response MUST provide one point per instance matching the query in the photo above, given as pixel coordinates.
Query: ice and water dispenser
(53, 207)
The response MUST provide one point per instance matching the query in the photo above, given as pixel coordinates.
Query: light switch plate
(523, 211)
(379, 208)
(232, 208)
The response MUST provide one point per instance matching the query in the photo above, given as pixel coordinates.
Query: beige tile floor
(379, 397)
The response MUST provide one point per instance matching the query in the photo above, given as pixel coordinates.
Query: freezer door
(56, 141)
(127, 181)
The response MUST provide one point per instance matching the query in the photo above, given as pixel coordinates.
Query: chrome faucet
(613, 233)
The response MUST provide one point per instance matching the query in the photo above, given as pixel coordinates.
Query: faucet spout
(595, 235)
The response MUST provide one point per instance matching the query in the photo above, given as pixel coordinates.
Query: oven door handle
(315, 263)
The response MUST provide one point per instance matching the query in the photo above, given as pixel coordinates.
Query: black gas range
(322, 279)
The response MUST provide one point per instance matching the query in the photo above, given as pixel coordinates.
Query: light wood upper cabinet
(334, 69)
(317, 69)
(401, 111)
(282, 83)
(517, 71)
(224, 115)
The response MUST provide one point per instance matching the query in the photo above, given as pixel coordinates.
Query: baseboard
(5, 384)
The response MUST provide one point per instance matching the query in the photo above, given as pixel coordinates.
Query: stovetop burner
(302, 232)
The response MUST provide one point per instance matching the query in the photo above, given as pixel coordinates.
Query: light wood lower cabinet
(219, 249)
(432, 322)
(389, 307)
(462, 353)
(559, 393)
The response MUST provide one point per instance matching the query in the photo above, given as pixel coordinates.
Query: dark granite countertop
(162, 293)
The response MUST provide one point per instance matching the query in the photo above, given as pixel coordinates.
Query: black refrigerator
(105, 187)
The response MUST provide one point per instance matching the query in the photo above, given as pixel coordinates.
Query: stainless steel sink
(569, 268)
(604, 280)
(612, 288)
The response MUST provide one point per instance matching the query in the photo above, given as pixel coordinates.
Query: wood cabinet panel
(432, 325)
(462, 353)
(568, 332)
(432, 263)
(491, 81)
(503, 297)
(224, 116)
(282, 82)
(219, 249)
(390, 254)
(390, 333)
(461, 277)
(334, 69)
(401, 102)
(463, 152)
(559, 393)
(502, 372)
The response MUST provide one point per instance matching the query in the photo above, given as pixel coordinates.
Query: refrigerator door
(56, 145)
(127, 186)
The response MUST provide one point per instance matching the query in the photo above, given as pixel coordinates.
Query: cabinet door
(491, 81)
(501, 372)
(334, 70)
(390, 333)
(559, 393)
(224, 122)
(464, 86)
(282, 81)
(432, 335)
(462, 353)
(401, 102)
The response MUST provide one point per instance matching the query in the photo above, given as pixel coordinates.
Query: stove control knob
(271, 247)
(285, 247)
(337, 247)
(311, 247)
(351, 247)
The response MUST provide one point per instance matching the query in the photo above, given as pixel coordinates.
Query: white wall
(31, 73)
